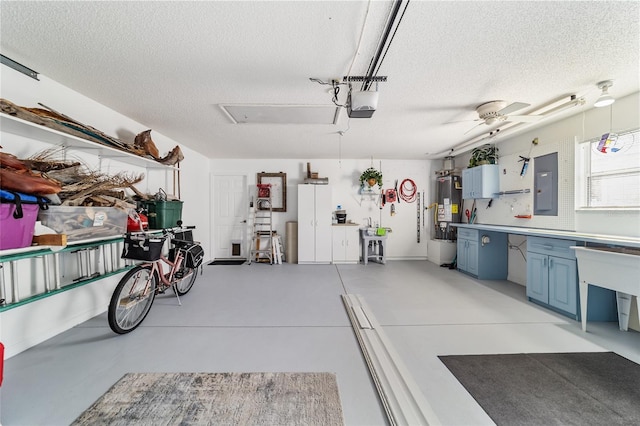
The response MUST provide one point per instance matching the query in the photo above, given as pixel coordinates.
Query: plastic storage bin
(163, 214)
(82, 223)
(18, 214)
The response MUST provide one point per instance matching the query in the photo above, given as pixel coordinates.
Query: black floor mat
(584, 388)
(228, 262)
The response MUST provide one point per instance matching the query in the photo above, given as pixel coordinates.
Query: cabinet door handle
(550, 263)
(544, 262)
(548, 246)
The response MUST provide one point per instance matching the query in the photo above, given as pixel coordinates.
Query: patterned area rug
(218, 399)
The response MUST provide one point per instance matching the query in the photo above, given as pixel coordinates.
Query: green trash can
(163, 214)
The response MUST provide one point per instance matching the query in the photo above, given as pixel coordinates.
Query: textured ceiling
(170, 65)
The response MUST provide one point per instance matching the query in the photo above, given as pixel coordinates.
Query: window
(608, 171)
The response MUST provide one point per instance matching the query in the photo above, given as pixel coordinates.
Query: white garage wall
(343, 177)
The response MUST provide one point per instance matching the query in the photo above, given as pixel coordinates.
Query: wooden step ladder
(262, 235)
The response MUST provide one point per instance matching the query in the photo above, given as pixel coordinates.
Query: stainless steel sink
(372, 232)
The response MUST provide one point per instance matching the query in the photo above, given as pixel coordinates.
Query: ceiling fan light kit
(499, 111)
(605, 98)
(489, 112)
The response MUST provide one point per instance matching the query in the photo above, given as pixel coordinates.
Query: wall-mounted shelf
(368, 191)
(514, 192)
(35, 131)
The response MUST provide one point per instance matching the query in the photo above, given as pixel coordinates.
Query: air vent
(281, 114)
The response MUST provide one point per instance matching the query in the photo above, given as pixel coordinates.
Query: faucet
(369, 222)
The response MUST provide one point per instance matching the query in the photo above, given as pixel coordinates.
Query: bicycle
(133, 296)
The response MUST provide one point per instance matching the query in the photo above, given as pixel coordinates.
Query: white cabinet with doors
(480, 181)
(314, 224)
(346, 243)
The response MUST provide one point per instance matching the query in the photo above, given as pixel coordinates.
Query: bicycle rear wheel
(132, 299)
(185, 282)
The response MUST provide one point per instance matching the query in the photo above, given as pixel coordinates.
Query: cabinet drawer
(551, 246)
(469, 234)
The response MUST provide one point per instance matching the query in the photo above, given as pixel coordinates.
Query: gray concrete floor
(260, 317)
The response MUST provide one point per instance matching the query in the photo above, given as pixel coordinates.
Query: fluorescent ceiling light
(282, 114)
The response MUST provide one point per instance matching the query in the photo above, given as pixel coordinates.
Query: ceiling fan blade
(512, 108)
(523, 118)
(463, 121)
(477, 125)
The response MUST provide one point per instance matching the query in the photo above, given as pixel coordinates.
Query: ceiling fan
(498, 111)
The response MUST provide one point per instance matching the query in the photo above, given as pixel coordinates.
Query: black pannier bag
(193, 253)
(147, 249)
(186, 235)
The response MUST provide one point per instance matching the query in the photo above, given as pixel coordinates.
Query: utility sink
(371, 232)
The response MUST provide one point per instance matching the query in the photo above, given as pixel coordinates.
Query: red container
(264, 190)
(141, 223)
(17, 220)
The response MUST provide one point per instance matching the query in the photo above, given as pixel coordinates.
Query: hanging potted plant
(486, 154)
(371, 177)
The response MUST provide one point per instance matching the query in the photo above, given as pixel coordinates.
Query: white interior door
(230, 212)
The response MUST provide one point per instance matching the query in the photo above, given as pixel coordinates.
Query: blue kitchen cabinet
(480, 181)
(563, 282)
(537, 277)
(552, 274)
(552, 281)
(482, 254)
(468, 256)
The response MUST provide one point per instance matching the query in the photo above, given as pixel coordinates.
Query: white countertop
(554, 233)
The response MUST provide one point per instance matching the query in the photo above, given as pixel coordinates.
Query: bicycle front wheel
(132, 299)
(186, 280)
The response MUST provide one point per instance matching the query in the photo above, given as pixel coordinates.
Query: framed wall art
(278, 191)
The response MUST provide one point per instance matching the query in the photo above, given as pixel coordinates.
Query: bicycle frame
(167, 279)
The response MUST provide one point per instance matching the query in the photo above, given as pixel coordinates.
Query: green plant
(486, 154)
(372, 177)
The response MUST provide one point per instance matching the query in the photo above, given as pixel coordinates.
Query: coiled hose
(408, 190)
